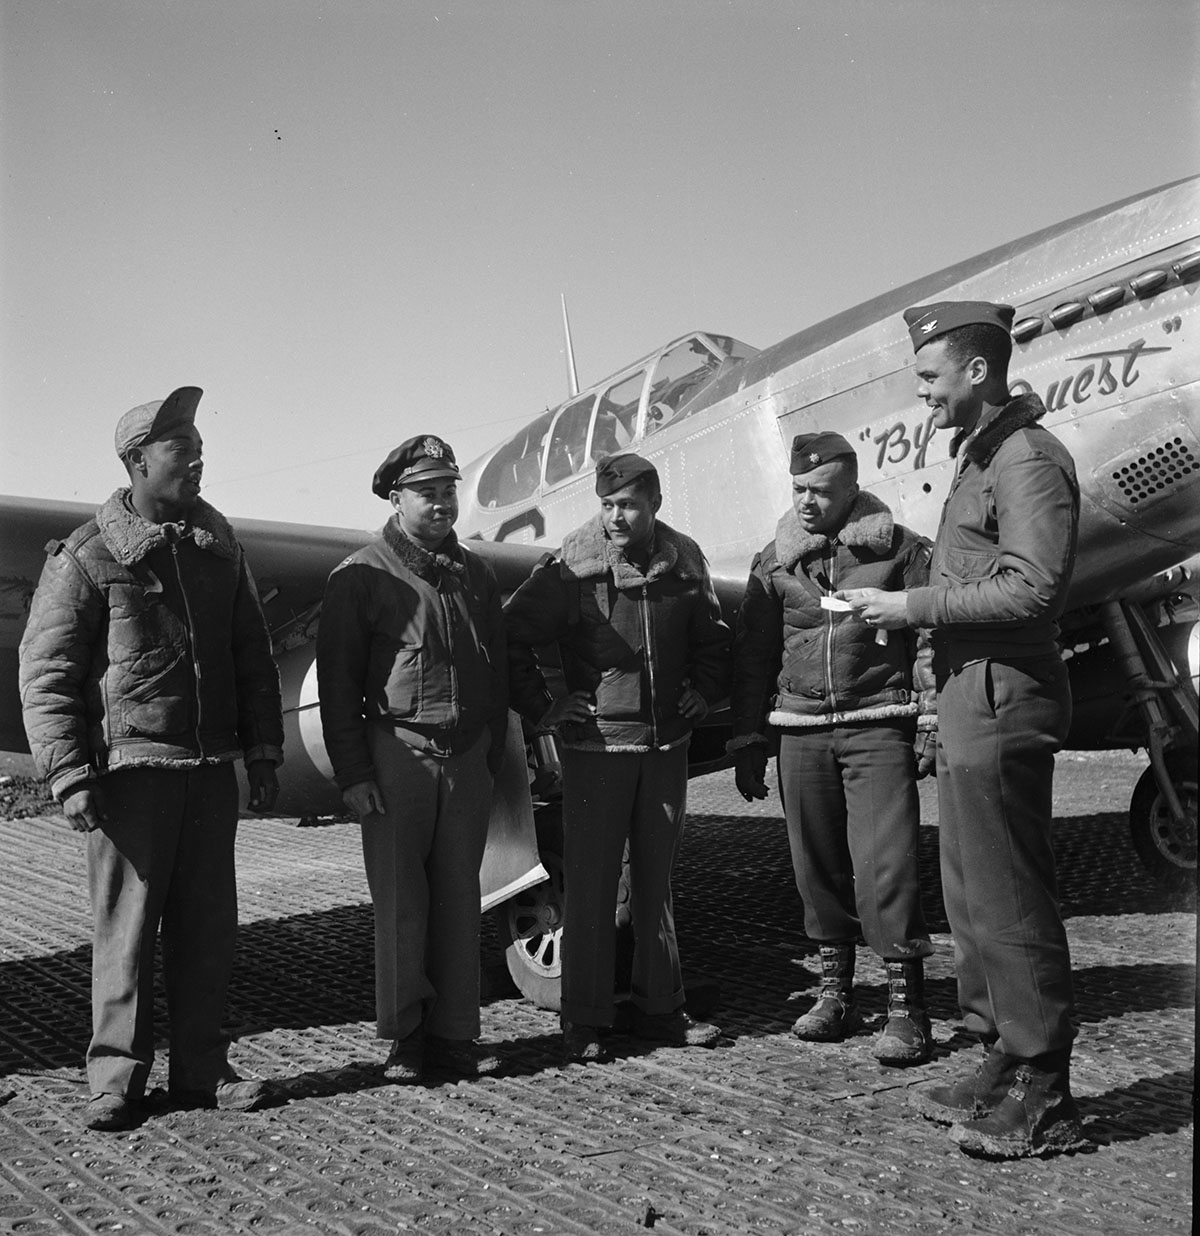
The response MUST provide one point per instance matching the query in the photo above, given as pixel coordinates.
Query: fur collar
(868, 526)
(997, 424)
(449, 556)
(130, 538)
(587, 552)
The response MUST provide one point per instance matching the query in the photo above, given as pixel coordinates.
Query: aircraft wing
(27, 525)
(290, 562)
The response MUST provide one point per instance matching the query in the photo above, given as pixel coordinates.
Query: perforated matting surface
(761, 1134)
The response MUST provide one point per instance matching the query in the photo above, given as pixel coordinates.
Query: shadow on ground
(740, 926)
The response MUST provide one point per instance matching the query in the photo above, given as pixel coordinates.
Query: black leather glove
(750, 769)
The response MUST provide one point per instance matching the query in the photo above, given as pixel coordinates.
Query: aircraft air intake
(1150, 474)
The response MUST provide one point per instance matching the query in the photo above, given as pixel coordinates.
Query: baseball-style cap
(424, 458)
(811, 450)
(927, 322)
(150, 421)
(614, 472)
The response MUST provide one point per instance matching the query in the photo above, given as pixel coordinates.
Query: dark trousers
(850, 798)
(164, 856)
(999, 725)
(422, 861)
(608, 797)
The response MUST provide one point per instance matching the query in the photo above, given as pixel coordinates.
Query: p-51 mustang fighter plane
(1107, 332)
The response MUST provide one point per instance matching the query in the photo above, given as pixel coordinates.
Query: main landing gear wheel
(1166, 847)
(531, 923)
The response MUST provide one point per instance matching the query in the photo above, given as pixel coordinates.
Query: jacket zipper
(191, 638)
(448, 618)
(645, 607)
(829, 692)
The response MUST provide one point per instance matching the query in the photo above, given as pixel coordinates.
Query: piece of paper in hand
(837, 604)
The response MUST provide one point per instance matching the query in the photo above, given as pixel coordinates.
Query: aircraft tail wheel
(1167, 849)
(531, 923)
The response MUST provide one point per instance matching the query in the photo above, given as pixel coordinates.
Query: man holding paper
(847, 706)
(998, 584)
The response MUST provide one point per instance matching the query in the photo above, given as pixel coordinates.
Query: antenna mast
(572, 376)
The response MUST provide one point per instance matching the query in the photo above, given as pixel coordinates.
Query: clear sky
(350, 221)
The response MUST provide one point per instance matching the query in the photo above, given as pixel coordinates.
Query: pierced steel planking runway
(762, 1134)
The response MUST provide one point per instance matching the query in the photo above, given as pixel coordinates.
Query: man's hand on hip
(576, 707)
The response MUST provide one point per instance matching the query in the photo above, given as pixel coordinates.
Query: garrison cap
(423, 458)
(811, 450)
(614, 472)
(150, 421)
(927, 322)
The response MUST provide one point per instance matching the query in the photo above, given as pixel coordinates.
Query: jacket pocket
(803, 671)
(963, 566)
(619, 693)
(404, 678)
(159, 705)
(163, 717)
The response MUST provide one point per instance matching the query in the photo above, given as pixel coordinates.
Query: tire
(1167, 852)
(531, 923)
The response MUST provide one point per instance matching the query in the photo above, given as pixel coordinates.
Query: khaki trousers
(422, 859)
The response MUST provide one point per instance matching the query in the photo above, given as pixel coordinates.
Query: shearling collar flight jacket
(146, 647)
(631, 639)
(798, 665)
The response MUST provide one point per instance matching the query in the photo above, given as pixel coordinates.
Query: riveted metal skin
(764, 1133)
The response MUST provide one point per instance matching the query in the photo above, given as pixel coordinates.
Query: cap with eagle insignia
(928, 322)
(811, 450)
(423, 458)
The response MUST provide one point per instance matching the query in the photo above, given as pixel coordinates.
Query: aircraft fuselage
(1106, 333)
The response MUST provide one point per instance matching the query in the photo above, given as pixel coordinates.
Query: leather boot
(974, 1095)
(835, 1015)
(907, 1037)
(1037, 1116)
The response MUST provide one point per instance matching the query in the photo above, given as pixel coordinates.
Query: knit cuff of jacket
(742, 741)
(927, 723)
(264, 752)
(357, 775)
(67, 783)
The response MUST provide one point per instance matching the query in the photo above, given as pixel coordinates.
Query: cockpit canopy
(614, 415)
